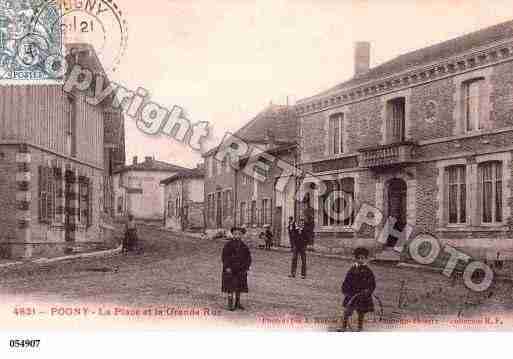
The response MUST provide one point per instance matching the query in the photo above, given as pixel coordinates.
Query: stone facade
(183, 195)
(261, 203)
(53, 181)
(437, 136)
(137, 189)
(229, 184)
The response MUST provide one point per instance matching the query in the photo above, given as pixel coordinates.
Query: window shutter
(331, 130)
(445, 197)
(479, 210)
(89, 202)
(50, 181)
(40, 191)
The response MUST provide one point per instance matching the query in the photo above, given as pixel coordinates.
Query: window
(225, 204)
(473, 104)
(209, 206)
(177, 207)
(396, 110)
(266, 211)
(120, 204)
(214, 166)
(337, 203)
(71, 127)
(336, 130)
(457, 194)
(224, 165)
(253, 213)
(228, 209)
(85, 201)
(47, 194)
(242, 213)
(491, 192)
(170, 207)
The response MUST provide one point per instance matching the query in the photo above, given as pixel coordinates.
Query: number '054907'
(24, 343)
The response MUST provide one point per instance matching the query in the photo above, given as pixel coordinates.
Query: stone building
(260, 201)
(425, 138)
(234, 196)
(137, 189)
(183, 196)
(54, 182)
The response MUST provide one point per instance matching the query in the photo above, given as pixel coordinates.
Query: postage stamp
(28, 48)
(34, 35)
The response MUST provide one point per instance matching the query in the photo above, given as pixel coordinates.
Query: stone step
(388, 256)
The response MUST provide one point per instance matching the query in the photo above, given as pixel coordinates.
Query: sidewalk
(103, 253)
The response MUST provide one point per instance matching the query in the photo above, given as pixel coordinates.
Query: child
(358, 288)
(236, 260)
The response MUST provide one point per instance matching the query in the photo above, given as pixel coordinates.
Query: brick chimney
(134, 160)
(361, 57)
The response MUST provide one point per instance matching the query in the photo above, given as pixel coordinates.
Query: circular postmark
(99, 23)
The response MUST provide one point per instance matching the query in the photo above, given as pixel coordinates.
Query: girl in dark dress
(236, 263)
(358, 288)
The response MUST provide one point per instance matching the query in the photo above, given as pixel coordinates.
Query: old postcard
(292, 166)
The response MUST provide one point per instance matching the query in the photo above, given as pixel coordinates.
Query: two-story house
(138, 191)
(426, 138)
(183, 195)
(236, 197)
(53, 178)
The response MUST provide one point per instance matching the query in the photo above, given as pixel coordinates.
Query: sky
(225, 61)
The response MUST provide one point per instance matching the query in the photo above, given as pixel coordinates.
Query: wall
(24, 117)
(439, 136)
(148, 205)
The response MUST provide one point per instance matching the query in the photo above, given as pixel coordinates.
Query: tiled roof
(278, 120)
(190, 173)
(153, 165)
(431, 54)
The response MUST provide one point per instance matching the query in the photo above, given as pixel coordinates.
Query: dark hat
(361, 251)
(240, 229)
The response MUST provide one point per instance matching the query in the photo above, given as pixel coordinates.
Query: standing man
(236, 263)
(298, 242)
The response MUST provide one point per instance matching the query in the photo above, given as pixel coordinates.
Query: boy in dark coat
(236, 262)
(358, 288)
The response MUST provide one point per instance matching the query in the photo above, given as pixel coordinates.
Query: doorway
(277, 221)
(397, 194)
(219, 211)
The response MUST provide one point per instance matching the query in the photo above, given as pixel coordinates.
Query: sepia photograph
(293, 167)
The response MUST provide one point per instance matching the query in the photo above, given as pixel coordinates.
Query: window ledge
(347, 229)
(488, 228)
(466, 135)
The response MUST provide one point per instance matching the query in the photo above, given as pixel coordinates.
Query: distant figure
(358, 287)
(293, 233)
(298, 242)
(268, 237)
(236, 263)
(130, 240)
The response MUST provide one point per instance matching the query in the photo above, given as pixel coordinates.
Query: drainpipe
(235, 196)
